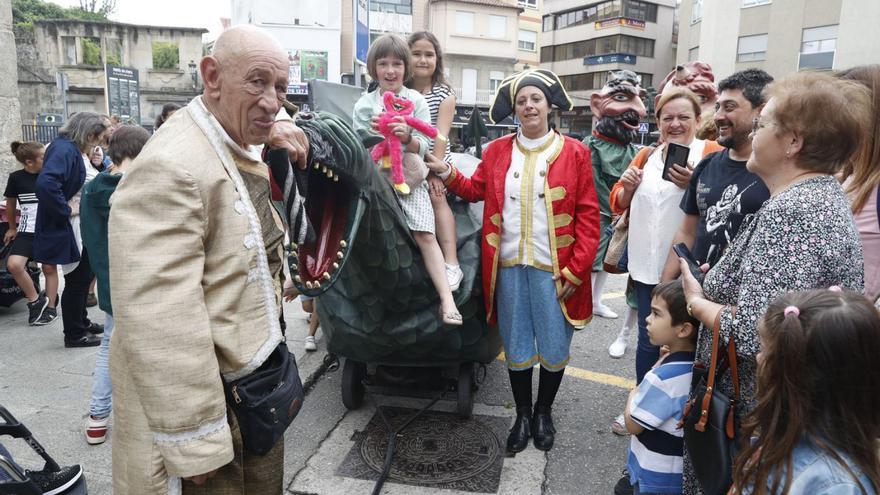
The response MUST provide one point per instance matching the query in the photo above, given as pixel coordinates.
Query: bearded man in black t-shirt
(722, 192)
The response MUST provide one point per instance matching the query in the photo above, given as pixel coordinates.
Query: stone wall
(10, 124)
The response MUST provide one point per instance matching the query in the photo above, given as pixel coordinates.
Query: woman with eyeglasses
(802, 238)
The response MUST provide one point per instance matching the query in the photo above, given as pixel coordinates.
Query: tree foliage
(91, 51)
(104, 7)
(25, 12)
(165, 55)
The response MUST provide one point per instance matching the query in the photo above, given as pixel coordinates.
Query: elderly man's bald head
(244, 41)
(245, 82)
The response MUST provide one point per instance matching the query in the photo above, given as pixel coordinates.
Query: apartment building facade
(529, 35)
(310, 31)
(582, 41)
(779, 36)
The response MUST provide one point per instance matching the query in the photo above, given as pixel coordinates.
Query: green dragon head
(339, 170)
(377, 303)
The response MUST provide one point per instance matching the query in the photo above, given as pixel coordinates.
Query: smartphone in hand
(676, 154)
(682, 251)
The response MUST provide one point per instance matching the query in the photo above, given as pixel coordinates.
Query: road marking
(612, 295)
(594, 376)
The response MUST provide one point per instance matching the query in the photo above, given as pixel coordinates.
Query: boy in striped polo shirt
(655, 406)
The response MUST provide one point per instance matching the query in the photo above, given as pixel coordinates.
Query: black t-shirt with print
(722, 192)
(22, 185)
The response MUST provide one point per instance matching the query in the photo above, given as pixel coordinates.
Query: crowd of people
(779, 208)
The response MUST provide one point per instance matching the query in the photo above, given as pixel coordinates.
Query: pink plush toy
(388, 152)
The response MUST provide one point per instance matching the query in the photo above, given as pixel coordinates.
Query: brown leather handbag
(709, 420)
(616, 252)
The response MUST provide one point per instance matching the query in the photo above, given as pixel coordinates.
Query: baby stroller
(21, 483)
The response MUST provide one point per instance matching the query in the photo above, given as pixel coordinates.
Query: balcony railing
(480, 97)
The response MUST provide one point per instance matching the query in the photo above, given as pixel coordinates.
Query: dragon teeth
(339, 255)
(336, 266)
(326, 276)
(335, 178)
(343, 244)
(317, 284)
(317, 165)
(329, 174)
(309, 285)
(297, 279)
(324, 169)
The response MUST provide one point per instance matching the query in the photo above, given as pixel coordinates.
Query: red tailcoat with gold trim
(572, 218)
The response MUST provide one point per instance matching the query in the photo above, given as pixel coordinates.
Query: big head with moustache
(619, 106)
(245, 83)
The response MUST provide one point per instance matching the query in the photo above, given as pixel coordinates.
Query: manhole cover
(438, 449)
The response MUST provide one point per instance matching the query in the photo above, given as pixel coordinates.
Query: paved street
(48, 387)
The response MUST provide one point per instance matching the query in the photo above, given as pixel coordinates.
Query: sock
(521, 384)
(548, 385)
(598, 279)
(629, 320)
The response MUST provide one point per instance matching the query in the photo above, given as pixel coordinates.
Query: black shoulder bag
(710, 422)
(266, 401)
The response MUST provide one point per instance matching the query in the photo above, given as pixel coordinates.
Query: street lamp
(194, 73)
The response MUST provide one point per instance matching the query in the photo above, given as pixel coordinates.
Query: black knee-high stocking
(521, 384)
(548, 385)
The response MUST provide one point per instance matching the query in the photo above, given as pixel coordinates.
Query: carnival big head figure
(619, 106)
(696, 76)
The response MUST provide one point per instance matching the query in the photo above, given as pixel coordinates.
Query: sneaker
(96, 430)
(36, 308)
(623, 486)
(618, 426)
(91, 301)
(52, 483)
(87, 340)
(604, 311)
(95, 328)
(617, 348)
(454, 276)
(310, 344)
(48, 316)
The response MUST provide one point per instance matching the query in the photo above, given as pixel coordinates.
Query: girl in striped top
(428, 79)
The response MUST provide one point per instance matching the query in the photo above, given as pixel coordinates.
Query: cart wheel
(353, 374)
(465, 390)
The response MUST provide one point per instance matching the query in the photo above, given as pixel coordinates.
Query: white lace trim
(192, 435)
(223, 145)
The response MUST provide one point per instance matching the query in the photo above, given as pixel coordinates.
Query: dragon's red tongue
(320, 256)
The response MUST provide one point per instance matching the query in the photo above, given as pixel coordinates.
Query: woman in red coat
(540, 235)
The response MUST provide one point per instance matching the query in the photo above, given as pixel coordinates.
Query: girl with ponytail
(816, 426)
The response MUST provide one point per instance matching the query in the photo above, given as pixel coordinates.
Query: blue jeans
(102, 389)
(646, 353)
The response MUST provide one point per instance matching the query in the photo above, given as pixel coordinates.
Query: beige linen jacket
(194, 274)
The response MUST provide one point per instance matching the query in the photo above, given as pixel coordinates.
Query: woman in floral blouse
(802, 238)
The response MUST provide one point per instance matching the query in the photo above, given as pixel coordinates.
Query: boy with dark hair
(722, 192)
(654, 408)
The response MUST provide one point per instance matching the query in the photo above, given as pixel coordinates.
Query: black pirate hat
(543, 79)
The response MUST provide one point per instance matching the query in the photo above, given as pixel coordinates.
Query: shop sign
(620, 21)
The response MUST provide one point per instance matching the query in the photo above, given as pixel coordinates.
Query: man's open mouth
(630, 120)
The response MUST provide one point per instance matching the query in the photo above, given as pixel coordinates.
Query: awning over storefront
(463, 115)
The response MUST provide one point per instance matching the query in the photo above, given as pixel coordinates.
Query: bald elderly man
(195, 254)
